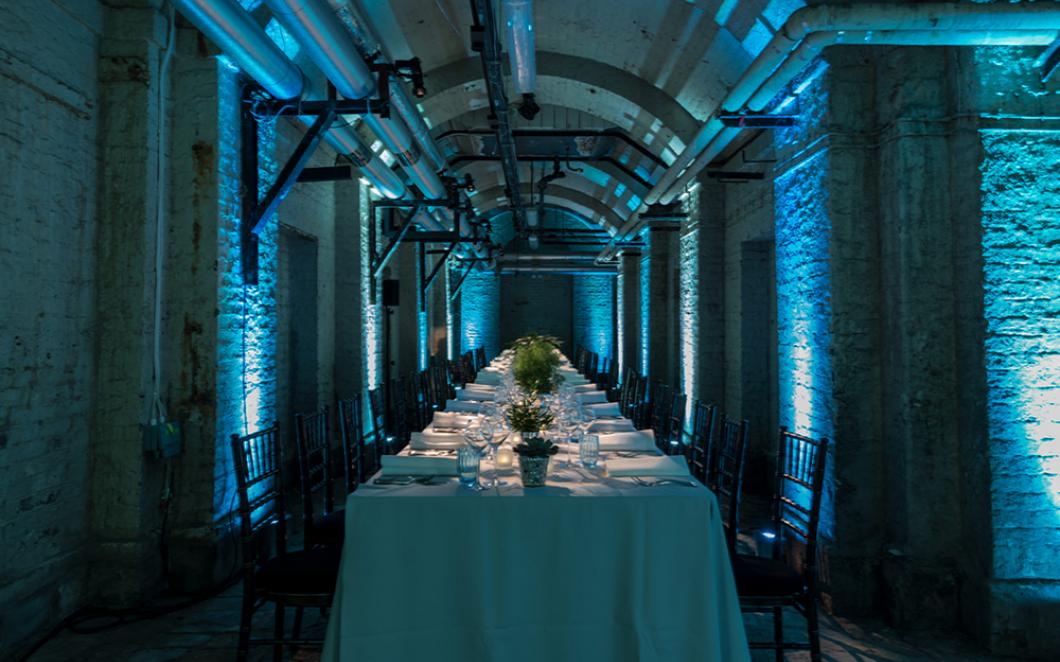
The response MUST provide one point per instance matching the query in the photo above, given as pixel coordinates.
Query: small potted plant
(536, 364)
(528, 419)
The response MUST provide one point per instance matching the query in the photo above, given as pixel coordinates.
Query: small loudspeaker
(391, 292)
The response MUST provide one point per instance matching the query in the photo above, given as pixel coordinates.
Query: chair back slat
(728, 485)
(351, 432)
(258, 459)
(701, 444)
(799, 489)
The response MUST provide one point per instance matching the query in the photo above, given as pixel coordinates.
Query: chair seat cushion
(330, 530)
(310, 571)
(762, 577)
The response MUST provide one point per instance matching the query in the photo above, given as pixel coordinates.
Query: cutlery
(664, 481)
(404, 480)
(634, 453)
(439, 452)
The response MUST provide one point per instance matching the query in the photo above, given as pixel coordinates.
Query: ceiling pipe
(328, 43)
(978, 24)
(234, 30)
(352, 17)
(519, 36)
(811, 29)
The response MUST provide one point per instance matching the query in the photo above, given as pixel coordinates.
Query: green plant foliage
(528, 416)
(537, 447)
(536, 338)
(536, 364)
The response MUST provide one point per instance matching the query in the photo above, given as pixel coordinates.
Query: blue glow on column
(423, 341)
(450, 340)
(246, 350)
(1020, 190)
(688, 310)
(479, 312)
(645, 311)
(594, 314)
(804, 310)
(371, 315)
(620, 321)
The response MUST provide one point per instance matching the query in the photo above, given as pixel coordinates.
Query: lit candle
(505, 457)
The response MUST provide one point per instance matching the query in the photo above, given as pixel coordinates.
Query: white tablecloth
(586, 569)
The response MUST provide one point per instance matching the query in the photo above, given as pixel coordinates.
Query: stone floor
(207, 631)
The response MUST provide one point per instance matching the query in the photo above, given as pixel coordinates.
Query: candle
(505, 457)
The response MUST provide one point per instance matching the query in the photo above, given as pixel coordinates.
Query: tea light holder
(505, 458)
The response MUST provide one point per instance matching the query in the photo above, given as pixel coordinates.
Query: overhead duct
(898, 24)
(519, 36)
(234, 30)
(368, 43)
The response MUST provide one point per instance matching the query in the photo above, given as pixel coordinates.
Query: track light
(529, 108)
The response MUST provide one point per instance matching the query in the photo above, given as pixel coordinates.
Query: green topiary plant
(536, 364)
(528, 417)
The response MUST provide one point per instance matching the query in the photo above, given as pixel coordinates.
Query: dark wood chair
(313, 435)
(700, 451)
(351, 433)
(727, 483)
(789, 577)
(658, 417)
(480, 358)
(675, 426)
(377, 435)
(296, 579)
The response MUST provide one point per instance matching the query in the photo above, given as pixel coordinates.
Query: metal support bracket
(460, 281)
(758, 121)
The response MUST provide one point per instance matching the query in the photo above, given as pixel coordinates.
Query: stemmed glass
(472, 433)
(483, 441)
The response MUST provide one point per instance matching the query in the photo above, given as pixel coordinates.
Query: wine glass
(472, 434)
(484, 442)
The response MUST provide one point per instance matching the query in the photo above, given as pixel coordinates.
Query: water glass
(589, 450)
(467, 464)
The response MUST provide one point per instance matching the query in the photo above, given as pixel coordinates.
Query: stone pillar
(405, 338)
(710, 297)
(629, 309)
(126, 483)
(662, 300)
(349, 295)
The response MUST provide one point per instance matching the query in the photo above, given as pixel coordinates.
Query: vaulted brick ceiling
(652, 68)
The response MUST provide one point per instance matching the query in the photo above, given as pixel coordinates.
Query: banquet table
(588, 568)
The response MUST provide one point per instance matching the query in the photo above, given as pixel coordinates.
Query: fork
(663, 481)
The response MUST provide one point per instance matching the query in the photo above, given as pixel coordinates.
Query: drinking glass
(467, 466)
(589, 450)
(483, 442)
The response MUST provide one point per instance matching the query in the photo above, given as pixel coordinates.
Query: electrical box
(162, 439)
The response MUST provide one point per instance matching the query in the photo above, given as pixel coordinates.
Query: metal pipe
(987, 24)
(519, 33)
(234, 31)
(325, 41)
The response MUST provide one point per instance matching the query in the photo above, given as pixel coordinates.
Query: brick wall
(48, 80)
(593, 303)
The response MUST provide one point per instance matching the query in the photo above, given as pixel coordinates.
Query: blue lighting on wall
(620, 321)
(594, 314)
(1020, 190)
(688, 310)
(645, 311)
(479, 312)
(371, 315)
(804, 308)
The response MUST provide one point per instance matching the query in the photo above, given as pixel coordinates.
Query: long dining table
(590, 567)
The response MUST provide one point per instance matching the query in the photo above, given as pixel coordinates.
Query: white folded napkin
(476, 395)
(463, 405)
(485, 377)
(418, 465)
(664, 466)
(480, 388)
(640, 440)
(605, 425)
(449, 419)
(582, 388)
(604, 409)
(592, 397)
(431, 440)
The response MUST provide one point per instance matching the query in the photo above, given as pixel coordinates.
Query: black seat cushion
(760, 576)
(310, 571)
(330, 530)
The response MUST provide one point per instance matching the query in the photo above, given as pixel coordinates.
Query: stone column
(349, 303)
(126, 483)
(709, 346)
(662, 300)
(405, 344)
(629, 309)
